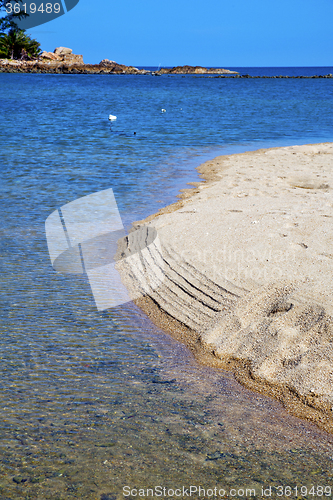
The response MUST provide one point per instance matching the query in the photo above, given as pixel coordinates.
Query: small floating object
(163, 110)
(112, 118)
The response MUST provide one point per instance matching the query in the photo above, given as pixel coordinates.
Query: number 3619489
(32, 8)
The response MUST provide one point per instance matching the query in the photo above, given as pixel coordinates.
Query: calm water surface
(91, 402)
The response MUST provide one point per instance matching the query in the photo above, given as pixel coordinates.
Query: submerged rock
(62, 51)
(62, 60)
(195, 70)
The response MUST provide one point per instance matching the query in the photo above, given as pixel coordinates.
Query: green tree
(16, 44)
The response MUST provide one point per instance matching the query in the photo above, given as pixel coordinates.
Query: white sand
(247, 264)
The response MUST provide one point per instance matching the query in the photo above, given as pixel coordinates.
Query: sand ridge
(247, 259)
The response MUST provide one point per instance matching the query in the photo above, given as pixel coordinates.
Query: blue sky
(221, 33)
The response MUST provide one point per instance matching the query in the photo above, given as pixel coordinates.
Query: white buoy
(112, 118)
(163, 110)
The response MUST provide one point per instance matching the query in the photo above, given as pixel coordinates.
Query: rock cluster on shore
(62, 60)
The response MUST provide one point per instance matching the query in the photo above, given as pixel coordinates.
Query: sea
(102, 404)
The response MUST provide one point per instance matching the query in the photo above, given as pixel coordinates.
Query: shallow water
(92, 401)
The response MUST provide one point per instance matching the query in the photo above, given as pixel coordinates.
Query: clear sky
(221, 33)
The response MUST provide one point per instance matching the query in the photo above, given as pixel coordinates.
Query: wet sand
(246, 259)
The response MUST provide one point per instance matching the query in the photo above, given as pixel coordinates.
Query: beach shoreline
(278, 324)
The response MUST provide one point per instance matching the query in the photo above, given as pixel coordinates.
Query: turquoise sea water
(91, 402)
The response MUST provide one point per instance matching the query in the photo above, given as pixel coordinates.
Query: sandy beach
(241, 272)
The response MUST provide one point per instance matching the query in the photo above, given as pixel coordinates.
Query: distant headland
(62, 60)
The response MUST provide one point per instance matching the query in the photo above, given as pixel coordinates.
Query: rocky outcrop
(107, 62)
(61, 55)
(62, 60)
(194, 70)
(62, 51)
